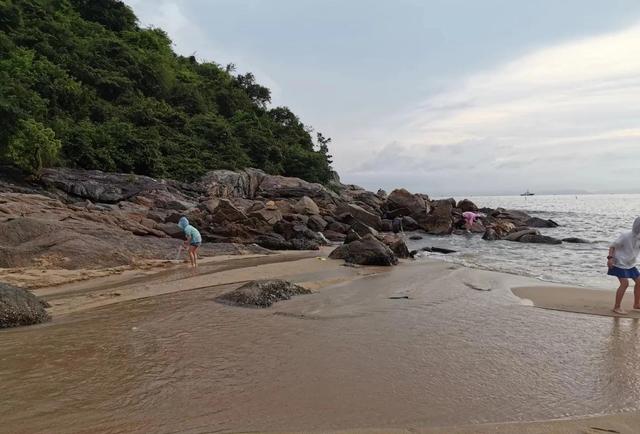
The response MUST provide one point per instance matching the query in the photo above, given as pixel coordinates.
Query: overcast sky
(441, 96)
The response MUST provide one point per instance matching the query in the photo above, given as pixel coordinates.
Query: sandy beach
(452, 350)
(579, 300)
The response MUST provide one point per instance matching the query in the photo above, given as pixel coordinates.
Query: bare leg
(636, 294)
(193, 258)
(624, 284)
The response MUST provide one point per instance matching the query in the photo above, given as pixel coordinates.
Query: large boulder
(537, 222)
(397, 246)
(440, 221)
(317, 223)
(351, 213)
(278, 242)
(274, 186)
(466, 205)
(227, 212)
(367, 251)
(402, 203)
(229, 184)
(262, 293)
(19, 307)
(306, 206)
(270, 216)
(334, 236)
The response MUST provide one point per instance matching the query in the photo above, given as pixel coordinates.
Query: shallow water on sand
(346, 357)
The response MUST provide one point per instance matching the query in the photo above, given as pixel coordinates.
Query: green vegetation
(82, 85)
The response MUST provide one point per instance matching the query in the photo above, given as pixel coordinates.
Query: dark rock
(352, 236)
(515, 236)
(227, 212)
(262, 293)
(415, 237)
(317, 223)
(268, 216)
(273, 242)
(362, 229)
(277, 242)
(360, 214)
(409, 224)
(170, 229)
(490, 235)
(368, 251)
(381, 194)
(397, 246)
(404, 203)
(387, 225)
(537, 222)
(438, 250)
(539, 239)
(576, 240)
(306, 206)
(466, 205)
(334, 236)
(440, 221)
(99, 186)
(19, 307)
(304, 244)
(450, 202)
(342, 228)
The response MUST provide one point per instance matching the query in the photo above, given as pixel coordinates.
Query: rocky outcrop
(306, 206)
(440, 221)
(262, 293)
(367, 251)
(466, 205)
(80, 218)
(402, 203)
(537, 222)
(19, 307)
(352, 213)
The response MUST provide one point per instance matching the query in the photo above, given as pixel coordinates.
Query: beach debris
(438, 250)
(262, 293)
(477, 288)
(605, 430)
(399, 297)
(19, 307)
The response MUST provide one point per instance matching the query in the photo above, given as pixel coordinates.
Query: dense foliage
(81, 84)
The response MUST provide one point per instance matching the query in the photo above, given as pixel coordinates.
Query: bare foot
(619, 311)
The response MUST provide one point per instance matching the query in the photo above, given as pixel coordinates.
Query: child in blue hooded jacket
(193, 240)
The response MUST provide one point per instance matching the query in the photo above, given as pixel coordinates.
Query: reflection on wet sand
(413, 346)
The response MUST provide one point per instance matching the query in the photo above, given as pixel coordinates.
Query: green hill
(82, 85)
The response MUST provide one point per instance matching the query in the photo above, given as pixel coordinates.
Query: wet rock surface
(19, 307)
(262, 293)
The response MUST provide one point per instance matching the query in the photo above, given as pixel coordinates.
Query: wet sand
(426, 346)
(578, 300)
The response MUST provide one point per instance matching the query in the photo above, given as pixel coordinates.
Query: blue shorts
(198, 244)
(624, 273)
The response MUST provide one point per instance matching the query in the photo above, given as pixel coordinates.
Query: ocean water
(597, 218)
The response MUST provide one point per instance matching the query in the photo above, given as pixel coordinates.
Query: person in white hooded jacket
(623, 254)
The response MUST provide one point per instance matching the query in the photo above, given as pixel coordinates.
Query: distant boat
(527, 193)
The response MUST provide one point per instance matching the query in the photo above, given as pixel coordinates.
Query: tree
(33, 147)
